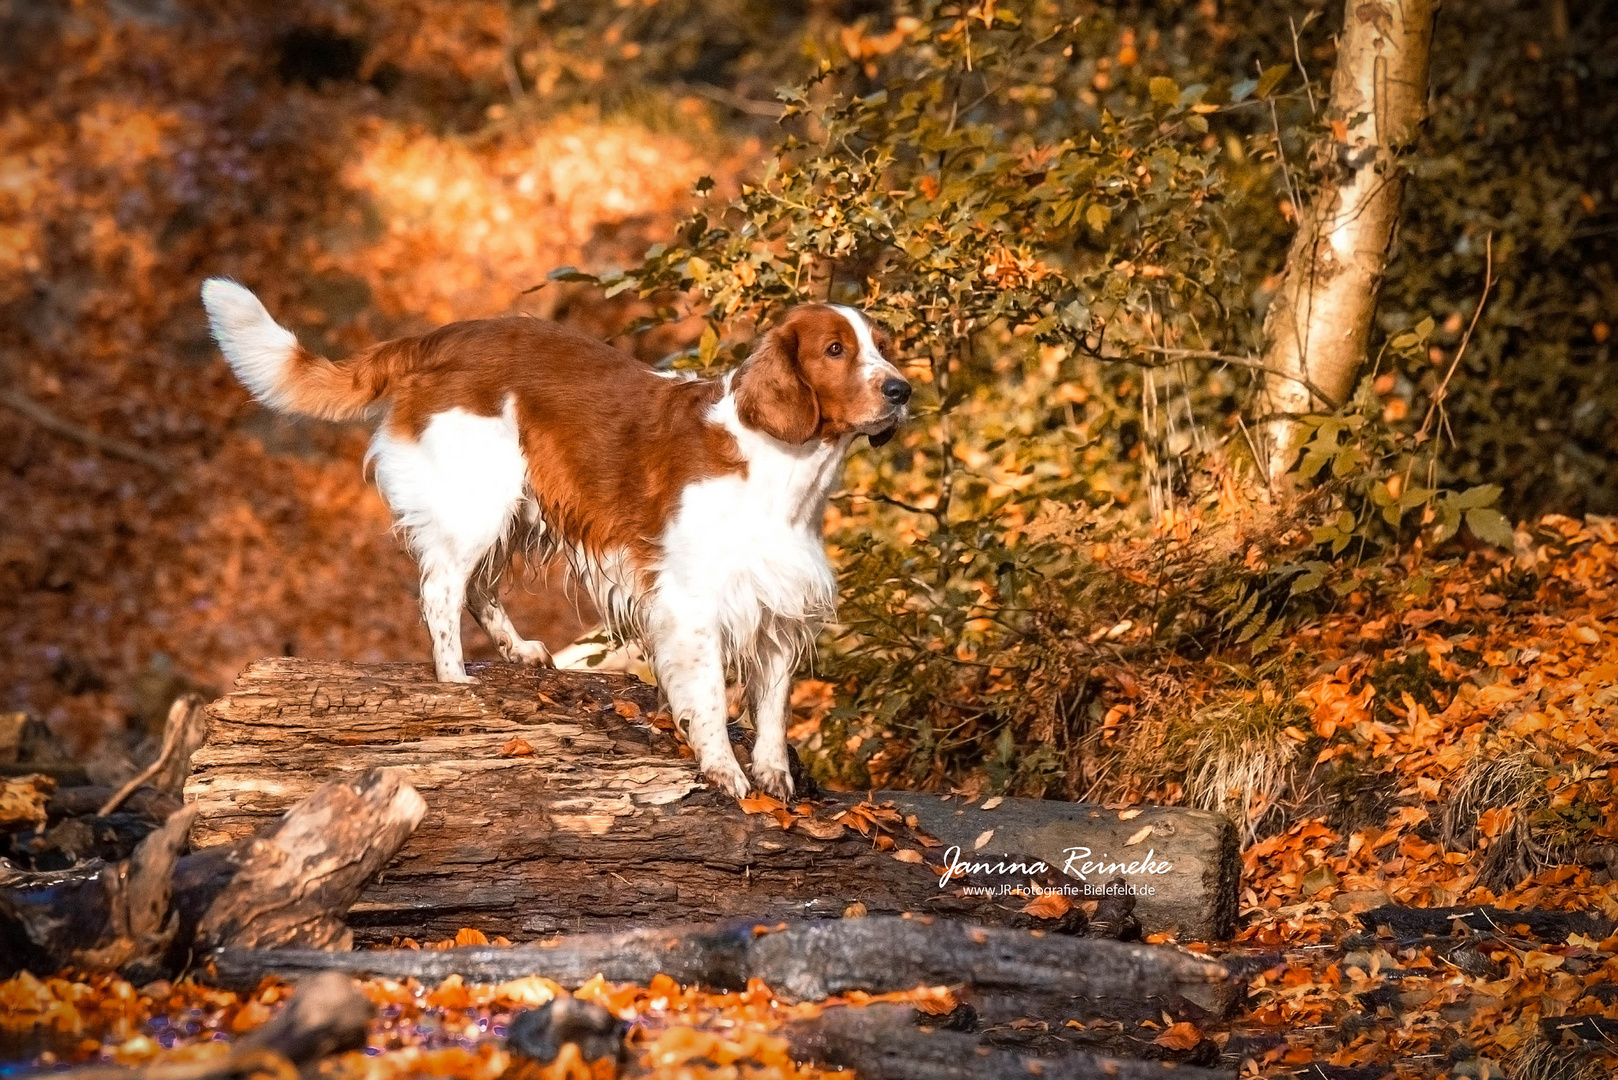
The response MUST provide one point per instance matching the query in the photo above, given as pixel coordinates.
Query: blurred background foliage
(1072, 215)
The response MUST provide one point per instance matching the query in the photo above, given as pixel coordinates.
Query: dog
(690, 510)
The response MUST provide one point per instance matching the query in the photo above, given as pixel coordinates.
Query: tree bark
(1318, 324)
(560, 801)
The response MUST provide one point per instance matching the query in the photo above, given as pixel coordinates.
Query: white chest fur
(750, 549)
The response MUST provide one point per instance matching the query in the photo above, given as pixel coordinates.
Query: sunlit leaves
(1164, 90)
(1270, 80)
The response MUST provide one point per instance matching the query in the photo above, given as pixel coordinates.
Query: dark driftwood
(326, 1016)
(1407, 922)
(84, 802)
(605, 824)
(1007, 973)
(139, 895)
(883, 1042)
(146, 914)
(185, 730)
(295, 885)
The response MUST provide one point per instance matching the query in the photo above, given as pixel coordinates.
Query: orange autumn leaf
(450, 994)
(1181, 1036)
(935, 1000)
(1048, 905)
(517, 748)
(761, 804)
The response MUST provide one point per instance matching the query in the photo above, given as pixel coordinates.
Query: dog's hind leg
(454, 490)
(443, 595)
(487, 610)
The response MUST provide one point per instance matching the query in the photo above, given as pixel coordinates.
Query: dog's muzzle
(896, 392)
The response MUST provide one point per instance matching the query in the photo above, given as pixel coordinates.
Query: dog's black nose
(897, 391)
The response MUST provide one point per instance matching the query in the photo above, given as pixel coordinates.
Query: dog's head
(822, 374)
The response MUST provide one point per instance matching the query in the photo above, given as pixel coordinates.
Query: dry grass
(1509, 782)
(1539, 1060)
(1238, 759)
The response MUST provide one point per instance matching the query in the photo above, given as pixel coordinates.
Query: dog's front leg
(691, 671)
(769, 695)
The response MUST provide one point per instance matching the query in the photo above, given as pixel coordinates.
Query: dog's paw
(777, 783)
(728, 778)
(456, 677)
(532, 653)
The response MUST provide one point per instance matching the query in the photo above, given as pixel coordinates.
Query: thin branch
(1240, 361)
(1437, 406)
(1252, 448)
(26, 406)
(180, 719)
(770, 110)
(1297, 56)
(508, 64)
(1281, 154)
(886, 499)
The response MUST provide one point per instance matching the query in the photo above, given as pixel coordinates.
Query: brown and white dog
(691, 510)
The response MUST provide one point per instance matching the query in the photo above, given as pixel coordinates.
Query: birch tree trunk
(1318, 324)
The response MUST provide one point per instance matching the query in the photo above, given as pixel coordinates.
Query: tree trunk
(562, 801)
(1318, 324)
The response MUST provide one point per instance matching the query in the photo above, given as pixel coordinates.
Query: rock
(1352, 903)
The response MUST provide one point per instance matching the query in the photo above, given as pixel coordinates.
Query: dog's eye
(834, 349)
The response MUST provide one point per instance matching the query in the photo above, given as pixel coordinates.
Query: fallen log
(884, 1042)
(1006, 973)
(1410, 923)
(145, 914)
(560, 801)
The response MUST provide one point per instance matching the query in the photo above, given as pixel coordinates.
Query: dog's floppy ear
(771, 394)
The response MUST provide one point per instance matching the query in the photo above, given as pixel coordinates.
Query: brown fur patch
(610, 444)
(806, 379)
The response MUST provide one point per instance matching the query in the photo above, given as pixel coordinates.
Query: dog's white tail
(282, 374)
(259, 349)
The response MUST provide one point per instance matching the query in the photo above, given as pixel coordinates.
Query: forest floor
(1483, 716)
(1480, 719)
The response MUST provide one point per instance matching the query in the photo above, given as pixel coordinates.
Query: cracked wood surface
(606, 823)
